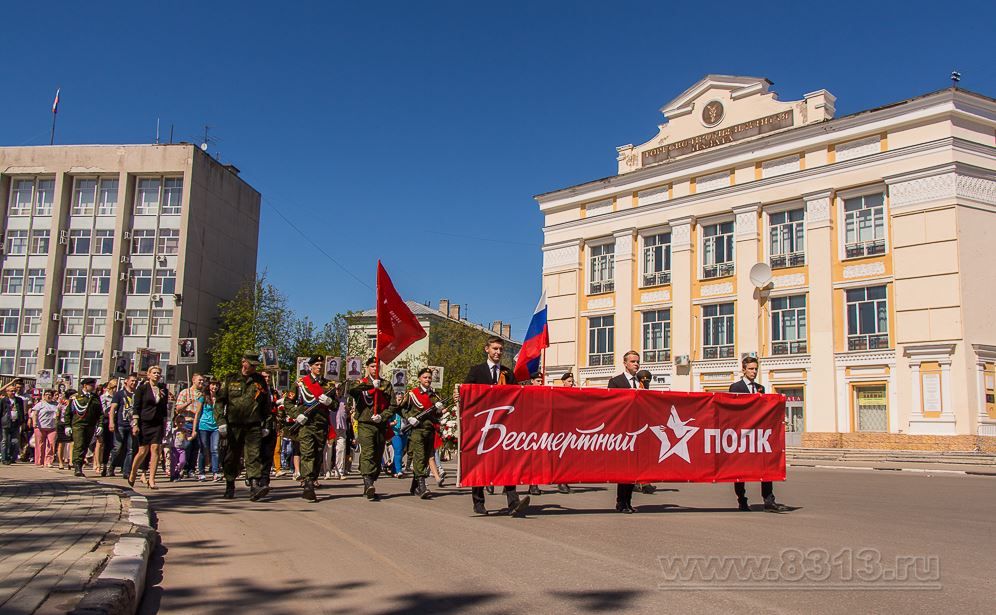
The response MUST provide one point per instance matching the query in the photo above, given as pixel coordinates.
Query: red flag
(397, 327)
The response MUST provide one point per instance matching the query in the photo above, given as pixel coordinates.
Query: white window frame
(38, 238)
(71, 321)
(144, 207)
(159, 281)
(607, 356)
(27, 362)
(726, 350)
(722, 269)
(71, 284)
(103, 241)
(8, 361)
(608, 284)
(782, 260)
(66, 358)
(92, 363)
(35, 274)
(79, 208)
(46, 211)
(168, 242)
(658, 278)
(102, 275)
(141, 240)
(862, 192)
(161, 323)
(872, 341)
(10, 321)
(799, 345)
(11, 281)
(96, 322)
(133, 281)
(16, 206)
(31, 323)
(16, 243)
(171, 186)
(135, 321)
(656, 355)
(105, 206)
(76, 237)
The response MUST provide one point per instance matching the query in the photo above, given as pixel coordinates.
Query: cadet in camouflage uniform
(83, 418)
(247, 404)
(372, 424)
(312, 414)
(423, 434)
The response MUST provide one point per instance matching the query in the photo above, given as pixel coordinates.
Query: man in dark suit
(626, 380)
(748, 384)
(12, 418)
(493, 372)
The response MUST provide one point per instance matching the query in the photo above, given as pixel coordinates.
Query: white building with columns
(877, 227)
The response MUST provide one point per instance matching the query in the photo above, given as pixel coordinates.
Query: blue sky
(418, 132)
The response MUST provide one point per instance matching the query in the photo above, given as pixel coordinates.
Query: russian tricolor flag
(537, 338)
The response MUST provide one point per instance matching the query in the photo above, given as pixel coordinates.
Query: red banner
(515, 435)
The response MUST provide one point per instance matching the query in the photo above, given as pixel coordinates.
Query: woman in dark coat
(147, 422)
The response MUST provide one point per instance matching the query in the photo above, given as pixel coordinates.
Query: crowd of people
(132, 426)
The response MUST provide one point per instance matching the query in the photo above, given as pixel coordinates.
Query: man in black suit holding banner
(748, 384)
(626, 380)
(493, 372)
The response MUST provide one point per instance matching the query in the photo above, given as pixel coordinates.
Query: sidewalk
(925, 462)
(58, 534)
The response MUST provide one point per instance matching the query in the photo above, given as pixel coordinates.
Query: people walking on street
(119, 422)
(372, 399)
(148, 421)
(206, 433)
(12, 419)
(626, 380)
(188, 404)
(420, 410)
(64, 434)
(246, 404)
(84, 420)
(44, 419)
(315, 398)
(290, 447)
(104, 438)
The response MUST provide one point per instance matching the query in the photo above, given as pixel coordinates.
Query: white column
(624, 292)
(682, 274)
(748, 308)
(827, 406)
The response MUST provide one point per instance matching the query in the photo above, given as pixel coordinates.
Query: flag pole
(377, 343)
(55, 114)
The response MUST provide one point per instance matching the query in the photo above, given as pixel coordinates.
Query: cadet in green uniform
(312, 414)
(372, 424)
(423, 434)
(247, 404)
(84, 417)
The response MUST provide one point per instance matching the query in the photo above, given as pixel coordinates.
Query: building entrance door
(795, 415)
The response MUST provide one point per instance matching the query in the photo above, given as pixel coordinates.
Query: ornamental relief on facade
(713, 290)
(867, 269)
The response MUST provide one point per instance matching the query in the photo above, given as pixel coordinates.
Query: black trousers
(624, 494)
(767, 490)
(510, 494)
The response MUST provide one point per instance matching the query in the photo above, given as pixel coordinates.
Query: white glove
(439, 405)
(325, 400)
(69, 431)
(376, 383)
(376, 418)
(223, 428)
(264, 432)
(412, 421)
(98, 431)
(301, 419)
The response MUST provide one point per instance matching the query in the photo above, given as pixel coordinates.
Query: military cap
(371, 361)
(314, 359)
(252, 357)
(90, 381)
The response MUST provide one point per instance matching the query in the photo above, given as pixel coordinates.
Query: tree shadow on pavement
(424, 602)
(603, 601)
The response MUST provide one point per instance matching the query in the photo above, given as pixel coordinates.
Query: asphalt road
(574, 554)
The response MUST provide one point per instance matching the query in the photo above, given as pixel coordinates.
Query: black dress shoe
(648, 488)
(562, 488)
(309, 491)
(743, 506)
(229, 489)
(490, 489)
(771, 505)
(534, 490)
(518, 508)
(480, 510)
(625, 508)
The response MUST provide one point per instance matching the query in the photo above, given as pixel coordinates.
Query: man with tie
(626, 380)
(493, 372)
(748, 384)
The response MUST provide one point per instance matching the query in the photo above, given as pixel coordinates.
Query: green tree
(257, 316)
(456, 348)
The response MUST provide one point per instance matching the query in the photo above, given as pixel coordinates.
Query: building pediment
(719, 110)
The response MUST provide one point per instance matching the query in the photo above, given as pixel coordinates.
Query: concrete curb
(914, 470)
(119, 587)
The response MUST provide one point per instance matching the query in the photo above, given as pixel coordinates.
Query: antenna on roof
(955, 78)
(157, 131)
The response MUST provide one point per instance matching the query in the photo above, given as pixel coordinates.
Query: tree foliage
(257, 316)
(456, 348)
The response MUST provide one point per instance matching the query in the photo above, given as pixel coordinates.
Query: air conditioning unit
(161, 259)
(125, 259)
(115, 354)
(63, 238)
(118, 317)
(681, 360)
(50, 352)
(123, 276)
(127, 235)
(156, 298)
(56, 316)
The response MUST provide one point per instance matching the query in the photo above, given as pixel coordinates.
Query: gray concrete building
(112, 248)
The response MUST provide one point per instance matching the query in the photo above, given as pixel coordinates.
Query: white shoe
(297, 476)
(280, 473)
(328, 475)
(201, 477)
(217, 478)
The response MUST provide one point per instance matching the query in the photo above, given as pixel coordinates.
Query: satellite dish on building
(760, 275)
(204, 146)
